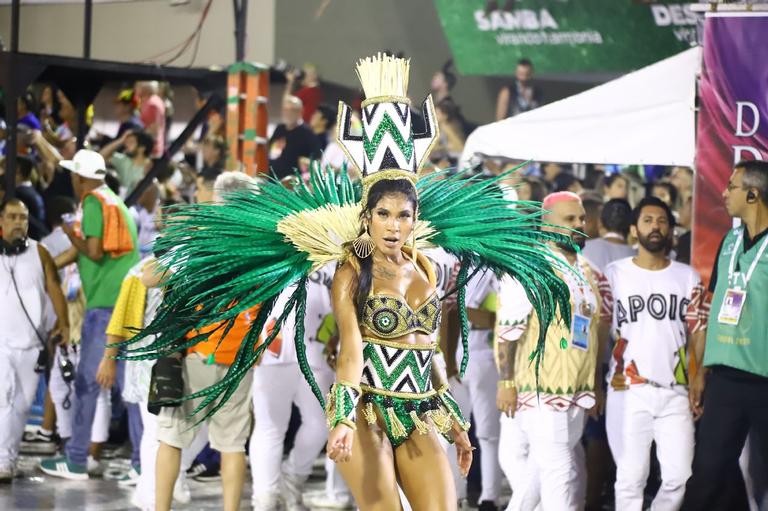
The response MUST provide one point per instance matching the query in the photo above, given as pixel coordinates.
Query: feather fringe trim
(421, 426)
(398, 430)
(441, 419)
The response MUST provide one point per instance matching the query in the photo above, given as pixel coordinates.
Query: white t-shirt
(483, 284)
(653, 314)
(57, 243)
(22, 288)
(282, 350)
(601, 252)
(138, 373)
(333, 156)
(445, 265)
(146, 229)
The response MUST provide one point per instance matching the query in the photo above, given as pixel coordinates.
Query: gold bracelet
(507, 384)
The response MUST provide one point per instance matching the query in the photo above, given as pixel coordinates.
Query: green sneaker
(60, 467)
(128, 479)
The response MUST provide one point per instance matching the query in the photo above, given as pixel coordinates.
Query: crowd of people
(79, 276)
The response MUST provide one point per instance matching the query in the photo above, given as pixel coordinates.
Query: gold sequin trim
(401, 395)
(385, 99)
(401, 345)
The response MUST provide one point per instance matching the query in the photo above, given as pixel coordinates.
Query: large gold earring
(363, 245)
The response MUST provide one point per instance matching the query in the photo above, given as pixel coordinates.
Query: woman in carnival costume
(388, 403)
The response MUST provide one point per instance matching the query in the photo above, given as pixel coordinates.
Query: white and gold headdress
(388, 147)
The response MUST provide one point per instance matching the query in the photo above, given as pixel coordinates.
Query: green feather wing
(474, 221)
(226, 258)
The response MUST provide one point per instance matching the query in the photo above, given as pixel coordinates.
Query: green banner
(563, 35)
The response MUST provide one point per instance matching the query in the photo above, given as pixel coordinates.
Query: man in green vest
(730, 391)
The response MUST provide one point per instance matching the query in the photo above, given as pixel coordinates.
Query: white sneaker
(94, 467)
(36, 442)
(144, 506)
(7, 473)
(128, 479)
(326, 501)
(266, 502)
(292, 493)
(181, 493)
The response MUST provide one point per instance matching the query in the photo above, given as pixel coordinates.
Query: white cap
(86, 163)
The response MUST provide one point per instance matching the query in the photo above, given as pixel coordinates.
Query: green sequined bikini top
(390, 317)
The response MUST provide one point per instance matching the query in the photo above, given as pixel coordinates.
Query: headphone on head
(15, 248)
(751, 196)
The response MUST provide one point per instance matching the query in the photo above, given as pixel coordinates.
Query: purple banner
(732, 122)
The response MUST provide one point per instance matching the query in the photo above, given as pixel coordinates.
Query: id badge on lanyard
(580, 331)
(733, 304)
(736, 295)
(580, 326)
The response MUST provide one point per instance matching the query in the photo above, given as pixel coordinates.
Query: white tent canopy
(645, 117)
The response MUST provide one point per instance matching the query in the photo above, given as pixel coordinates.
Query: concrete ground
(33, 490)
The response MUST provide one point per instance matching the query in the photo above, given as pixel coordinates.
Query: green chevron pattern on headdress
(387, 125)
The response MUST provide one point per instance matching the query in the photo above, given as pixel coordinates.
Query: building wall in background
(294, 30)
(349, 29)
(137, 31)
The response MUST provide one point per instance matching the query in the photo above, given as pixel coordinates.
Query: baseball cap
(86, 163)
(128, 97)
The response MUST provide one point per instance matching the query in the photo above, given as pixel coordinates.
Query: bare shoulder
(345, 278)
(427, 269)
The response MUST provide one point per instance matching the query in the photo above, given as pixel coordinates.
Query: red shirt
(311, 98)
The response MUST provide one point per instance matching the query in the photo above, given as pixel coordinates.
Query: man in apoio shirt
(730, 392)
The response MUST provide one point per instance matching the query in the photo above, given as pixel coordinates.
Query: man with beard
(730, 393)
(658, 308)
(539, 448)
(134, 161)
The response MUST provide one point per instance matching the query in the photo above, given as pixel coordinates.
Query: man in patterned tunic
(539, 447)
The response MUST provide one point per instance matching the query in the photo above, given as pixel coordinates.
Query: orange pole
(247, 118)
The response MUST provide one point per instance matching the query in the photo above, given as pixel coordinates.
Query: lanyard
(736, 249)
(582, 283)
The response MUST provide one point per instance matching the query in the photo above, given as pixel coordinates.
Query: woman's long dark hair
(375, 194)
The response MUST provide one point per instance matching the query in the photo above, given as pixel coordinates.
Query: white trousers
(18, 385)
(647, 414)
(541, 455)
(63, 397)
(275, 388)
(335, 486)
(476, 394)
(144, 493)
